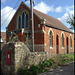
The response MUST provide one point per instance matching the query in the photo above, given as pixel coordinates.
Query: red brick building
(50, 35)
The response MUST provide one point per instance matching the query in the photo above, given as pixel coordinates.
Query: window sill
(70, 47)
(51, 47)
(62, 47)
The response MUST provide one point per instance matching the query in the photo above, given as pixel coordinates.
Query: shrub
(47, 63)
(62, 59)
(24, 72)
(57, 60)
(35, 70)
(70, 56)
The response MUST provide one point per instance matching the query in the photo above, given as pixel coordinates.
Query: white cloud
(27, 2)
(3, 1)
(3, 18)
(68, 8)
(43, 7)
(58, 9)
(69, 11)
(3, 31)
(64, 18)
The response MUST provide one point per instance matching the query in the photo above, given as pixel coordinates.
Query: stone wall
(1, 44)
(21, 57)
(4, 67)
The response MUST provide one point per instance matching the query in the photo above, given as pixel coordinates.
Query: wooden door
(67, 45)
(57, 44)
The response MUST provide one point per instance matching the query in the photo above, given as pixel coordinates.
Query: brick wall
(55, 33)
(41, 38)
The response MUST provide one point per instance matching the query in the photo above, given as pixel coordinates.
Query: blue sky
(56, 8)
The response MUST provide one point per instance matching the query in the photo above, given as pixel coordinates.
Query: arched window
(51, 39)
(19, 22)
(62, 40)
(23, 20)
(26, 26)
(23, 17)
(70, 41)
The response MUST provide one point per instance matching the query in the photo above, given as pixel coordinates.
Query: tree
(71, 21)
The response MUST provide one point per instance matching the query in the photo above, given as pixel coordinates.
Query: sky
(60, 9)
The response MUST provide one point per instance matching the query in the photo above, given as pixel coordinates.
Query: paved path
(67, 70)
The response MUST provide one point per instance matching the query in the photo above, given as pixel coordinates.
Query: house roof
(3, 36)
(50, 21)
(53, 22)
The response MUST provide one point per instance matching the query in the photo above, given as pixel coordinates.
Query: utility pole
(32, 24)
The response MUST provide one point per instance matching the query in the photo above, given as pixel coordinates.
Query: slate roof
(53, 22)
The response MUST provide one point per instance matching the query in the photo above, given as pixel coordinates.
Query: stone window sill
(62, 47)
(70, 47)
(51, 47)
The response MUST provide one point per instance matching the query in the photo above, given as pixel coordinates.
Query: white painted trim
(63, 48)
(51, 47)
(43, 31)
(70, 40)
(70, 35)
(70, 47)
(63, 34)
(43, 21)
(50, 30)
(20, 14)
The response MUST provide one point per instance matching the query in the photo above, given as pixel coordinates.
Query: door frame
(57, 44)
(67, 45)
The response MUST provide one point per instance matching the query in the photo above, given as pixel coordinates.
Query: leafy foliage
(55, 61)
(34, 70)
(71, 21)
(63, 59)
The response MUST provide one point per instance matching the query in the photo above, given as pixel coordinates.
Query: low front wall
(21, 57)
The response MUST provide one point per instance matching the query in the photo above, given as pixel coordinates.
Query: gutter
(58, 28)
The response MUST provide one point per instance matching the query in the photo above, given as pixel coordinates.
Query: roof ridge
(51, 17)
(50, 20)
(45, 14)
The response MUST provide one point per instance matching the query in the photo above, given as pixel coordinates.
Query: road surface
(66, 70)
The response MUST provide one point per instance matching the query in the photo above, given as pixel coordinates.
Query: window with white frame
(51, 39)
(70, 41)
(62, 40)
(23, 20)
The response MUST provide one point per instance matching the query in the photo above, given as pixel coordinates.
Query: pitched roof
(53, 22)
